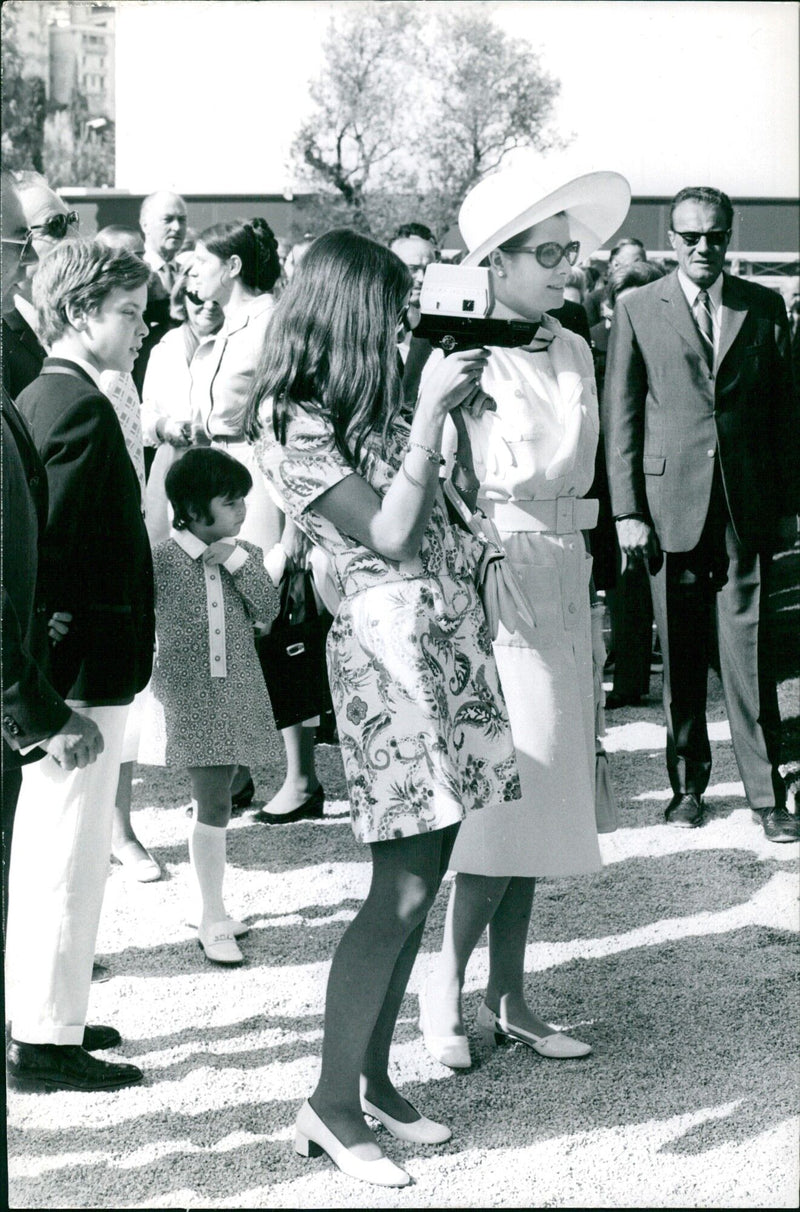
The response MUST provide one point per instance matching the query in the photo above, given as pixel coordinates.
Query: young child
(208, 708)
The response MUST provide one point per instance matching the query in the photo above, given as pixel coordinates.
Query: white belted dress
(534, 458)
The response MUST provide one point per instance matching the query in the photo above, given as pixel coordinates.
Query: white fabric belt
(563, 515)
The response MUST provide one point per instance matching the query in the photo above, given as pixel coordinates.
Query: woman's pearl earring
(501, 273)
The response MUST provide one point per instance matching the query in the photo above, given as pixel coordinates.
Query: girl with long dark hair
(422, 724)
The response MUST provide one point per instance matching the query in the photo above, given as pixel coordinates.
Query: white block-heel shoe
(422, 1131)
(312, 1138)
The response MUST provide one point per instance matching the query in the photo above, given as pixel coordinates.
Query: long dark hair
(253, 242)
(331, 345)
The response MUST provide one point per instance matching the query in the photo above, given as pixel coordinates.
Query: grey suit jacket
(668, 420)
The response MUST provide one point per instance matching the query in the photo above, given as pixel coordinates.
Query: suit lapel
(679, 315)
(734, 311)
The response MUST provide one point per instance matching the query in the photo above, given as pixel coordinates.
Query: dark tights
(368, 979)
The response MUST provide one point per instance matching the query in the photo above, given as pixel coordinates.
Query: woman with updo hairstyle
(236, 265)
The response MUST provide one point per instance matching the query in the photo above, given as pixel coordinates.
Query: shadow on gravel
(680, 1028)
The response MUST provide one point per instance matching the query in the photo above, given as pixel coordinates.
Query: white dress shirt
(691, 290)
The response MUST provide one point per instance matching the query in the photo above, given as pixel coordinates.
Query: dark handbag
(292, 654)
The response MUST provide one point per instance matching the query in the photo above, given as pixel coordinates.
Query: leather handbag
(500, 591)
(292, 653)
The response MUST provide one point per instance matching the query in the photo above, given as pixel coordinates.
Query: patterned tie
(702, 315)
(121, 391)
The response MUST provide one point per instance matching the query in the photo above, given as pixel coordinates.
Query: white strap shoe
(556, 1046)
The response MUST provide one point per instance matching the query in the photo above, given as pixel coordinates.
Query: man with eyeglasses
(49, 221)
(701, 425)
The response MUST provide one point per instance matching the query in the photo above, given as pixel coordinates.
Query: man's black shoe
(778, 824)
(614, 700)
(64, 1067)
(100, 973)
(686, 811)
(97, 1039)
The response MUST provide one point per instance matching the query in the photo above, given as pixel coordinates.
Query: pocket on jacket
(654, 465)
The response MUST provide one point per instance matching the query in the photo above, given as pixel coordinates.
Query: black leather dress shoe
(613, 700)
(97, 1039)
(310, 809)
(64, 1067)
(778, 824)
(685, 811)
(100, 973)
(243, 797)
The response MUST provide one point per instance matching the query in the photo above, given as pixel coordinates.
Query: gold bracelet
(433, 456)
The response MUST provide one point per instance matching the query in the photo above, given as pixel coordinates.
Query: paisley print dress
(422, 724)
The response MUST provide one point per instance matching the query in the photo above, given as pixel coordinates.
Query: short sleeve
(306, 466)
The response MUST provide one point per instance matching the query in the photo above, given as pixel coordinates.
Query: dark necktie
(702, 315)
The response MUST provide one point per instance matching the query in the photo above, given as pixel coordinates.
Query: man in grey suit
(701, 424)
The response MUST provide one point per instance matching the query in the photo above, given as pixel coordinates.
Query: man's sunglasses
(24, 246)
(550, 254)
(714, 239)
(57, 226)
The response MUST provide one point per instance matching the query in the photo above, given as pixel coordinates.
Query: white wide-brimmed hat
(513, 199)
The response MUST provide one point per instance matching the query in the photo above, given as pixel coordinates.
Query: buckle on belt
(565, 515)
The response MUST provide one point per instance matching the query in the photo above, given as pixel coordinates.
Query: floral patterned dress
(422, 724)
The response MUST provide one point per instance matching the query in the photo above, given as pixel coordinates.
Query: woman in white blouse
(236, 265)
(534, 461)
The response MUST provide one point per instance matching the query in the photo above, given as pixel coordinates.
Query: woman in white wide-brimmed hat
(534, 461)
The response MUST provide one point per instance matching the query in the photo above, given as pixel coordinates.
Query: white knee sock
(207, 859)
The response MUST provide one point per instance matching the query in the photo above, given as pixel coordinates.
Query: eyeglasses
(57, 226)
(24, 245)
(714, 239)
(549, 254)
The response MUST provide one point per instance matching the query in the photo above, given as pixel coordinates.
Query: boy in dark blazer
(95, 572)
(701, 424)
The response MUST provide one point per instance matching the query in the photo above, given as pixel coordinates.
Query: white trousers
(59, 864)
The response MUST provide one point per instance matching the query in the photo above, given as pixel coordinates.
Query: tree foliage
(24, 104)
(349, 146)
(53, 140)
(413, 105)
(84, 158)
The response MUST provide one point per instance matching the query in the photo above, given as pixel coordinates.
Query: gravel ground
(678, 962)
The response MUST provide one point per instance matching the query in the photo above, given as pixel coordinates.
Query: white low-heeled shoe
(218, 943)
(450, 1050)
(237, 929)
(422, 1131)
(556, 1046)
(312, 1138)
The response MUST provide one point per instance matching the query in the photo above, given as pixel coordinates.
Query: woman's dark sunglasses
(57, 226)
(550, 253)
